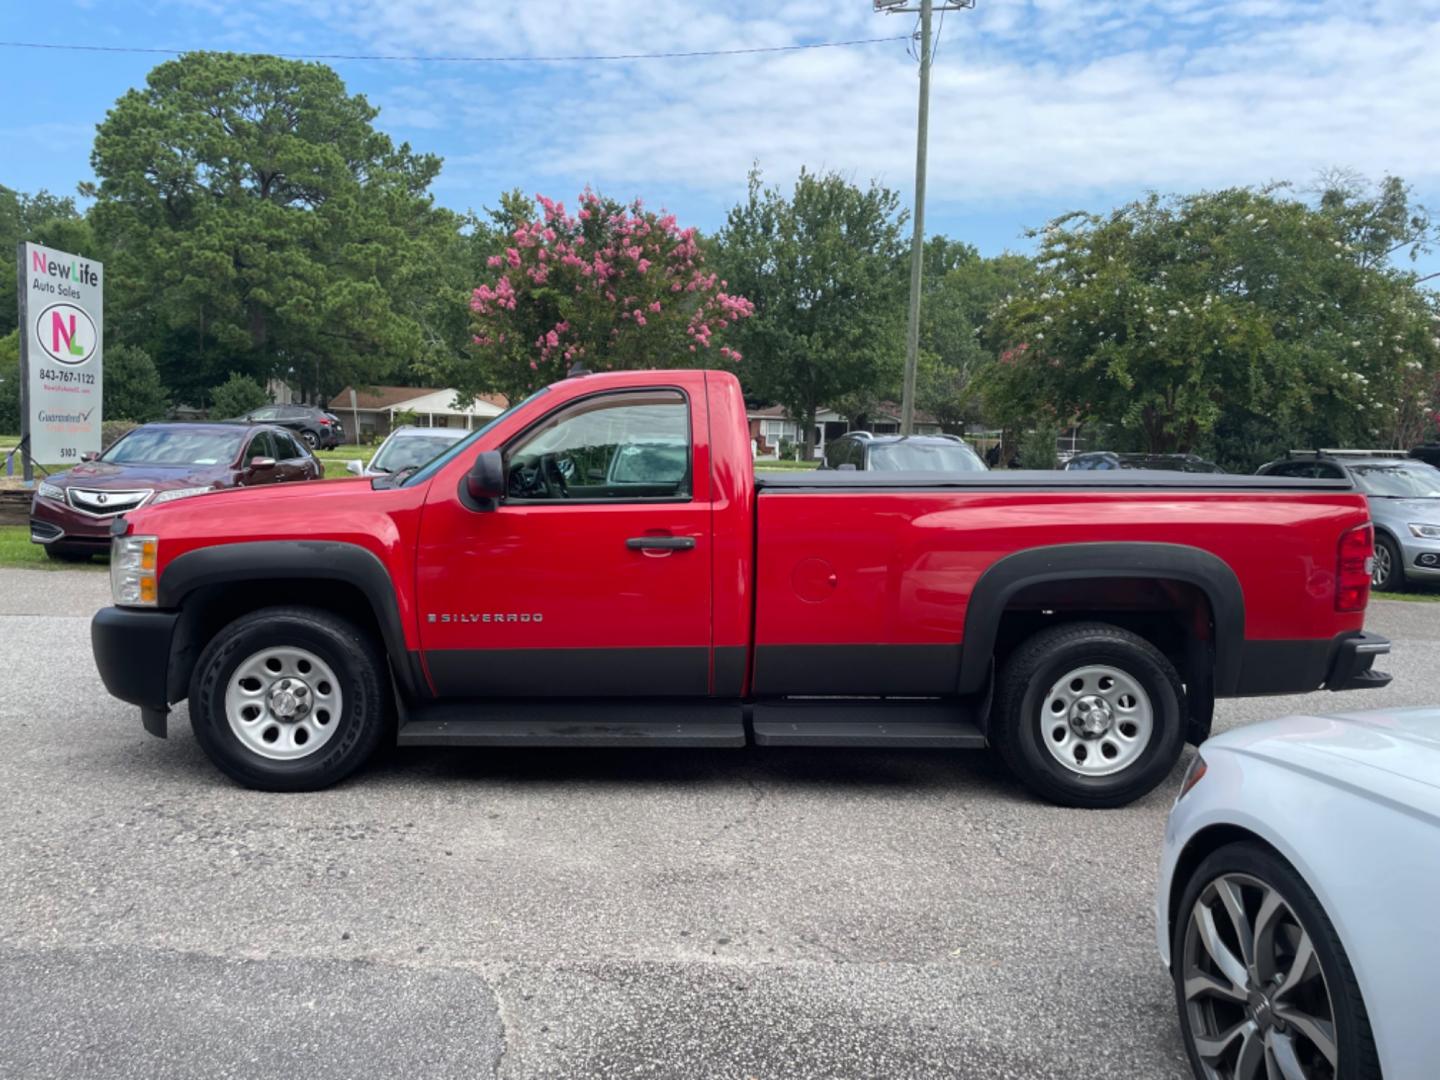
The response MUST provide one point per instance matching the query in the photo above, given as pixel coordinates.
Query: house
(770, 425)
(371, 414)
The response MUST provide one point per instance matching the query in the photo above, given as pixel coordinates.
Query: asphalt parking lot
(525, 914)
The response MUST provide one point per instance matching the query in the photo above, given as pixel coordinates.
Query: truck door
(592, 576)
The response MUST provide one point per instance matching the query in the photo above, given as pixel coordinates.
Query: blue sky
(1039, 107)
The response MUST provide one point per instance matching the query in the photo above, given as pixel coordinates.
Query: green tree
(10, 383)
(258, 222)
(41, 218)
(822, 268)
(1240, 314)
(236, 396)
(961, 289)
(133, 390)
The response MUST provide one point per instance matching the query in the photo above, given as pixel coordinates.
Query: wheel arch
(1200, 846)
(1057, 564)
(213, 585)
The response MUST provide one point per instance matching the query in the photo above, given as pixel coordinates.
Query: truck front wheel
(290, 699)
(1089, 715)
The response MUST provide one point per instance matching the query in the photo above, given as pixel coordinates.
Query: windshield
(1399, 481)
(925, 457)
(436, 464)
(404, 451)
(176, 446)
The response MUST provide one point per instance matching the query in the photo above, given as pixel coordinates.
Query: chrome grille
(105, 503)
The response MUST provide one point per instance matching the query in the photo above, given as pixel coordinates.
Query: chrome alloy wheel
(1096, 720)
(1380, 574)
(283, 703)
(1256, 999)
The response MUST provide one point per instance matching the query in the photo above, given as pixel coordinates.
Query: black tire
(1025, 680)
(67, 554)
(1355, 1043)
(1393, 579)
(360, 670)
(311, 439)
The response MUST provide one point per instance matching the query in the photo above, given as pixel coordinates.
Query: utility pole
(917, 243)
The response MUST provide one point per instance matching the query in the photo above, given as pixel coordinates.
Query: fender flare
(309, 560)
(1068, 562)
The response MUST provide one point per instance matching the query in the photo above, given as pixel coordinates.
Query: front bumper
(51, 521)
(1352, 667)
(132, 652)
(1421, 559)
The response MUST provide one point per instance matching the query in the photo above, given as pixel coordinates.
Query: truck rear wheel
(1089, 715)
(290, 699)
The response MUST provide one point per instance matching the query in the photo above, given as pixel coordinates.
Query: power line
(470, 59)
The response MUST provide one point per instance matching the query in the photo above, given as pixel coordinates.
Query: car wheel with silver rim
(283, 703)
(290, 699)
(1262, 982)
(1088, 714)
(1389, 572)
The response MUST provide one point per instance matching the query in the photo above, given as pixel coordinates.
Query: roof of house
(384, 398)
(886, 410)
(891, 411)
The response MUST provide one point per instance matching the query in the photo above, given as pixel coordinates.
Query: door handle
(660, 543)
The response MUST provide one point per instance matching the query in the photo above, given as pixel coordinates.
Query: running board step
(920, 724)
(572, 723)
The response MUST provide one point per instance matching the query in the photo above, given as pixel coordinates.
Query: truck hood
(1393, 754)
(268, 494)
(102, 475)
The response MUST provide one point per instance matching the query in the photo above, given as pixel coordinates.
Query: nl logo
(66, 334)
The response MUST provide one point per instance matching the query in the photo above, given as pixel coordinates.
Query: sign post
(61, 346)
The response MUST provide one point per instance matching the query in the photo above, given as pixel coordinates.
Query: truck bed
(1105, 480)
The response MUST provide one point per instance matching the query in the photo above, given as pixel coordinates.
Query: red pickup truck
(600, 566)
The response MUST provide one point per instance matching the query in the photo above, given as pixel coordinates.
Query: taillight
(1357, 563)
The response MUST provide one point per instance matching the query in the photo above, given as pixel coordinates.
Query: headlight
(132, 570)
(1193, 776)
(50, 491)
(178, 493)
(1425, 532)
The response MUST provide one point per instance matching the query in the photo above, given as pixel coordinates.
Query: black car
(319, 429)
(861, 450)
(1109, 459)
(1429, 453)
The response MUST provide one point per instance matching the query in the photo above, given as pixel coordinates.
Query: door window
(613, 447)
(262, 446)
(285, 448)
(269, 412)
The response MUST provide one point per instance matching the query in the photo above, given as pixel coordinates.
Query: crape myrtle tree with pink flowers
(610, 286)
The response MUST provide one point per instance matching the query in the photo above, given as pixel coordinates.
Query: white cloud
(1032, 100)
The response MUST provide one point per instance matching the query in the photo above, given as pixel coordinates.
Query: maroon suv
(71, 511)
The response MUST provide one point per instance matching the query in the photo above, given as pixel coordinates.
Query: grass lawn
(766, 465)
(17, 550)
(1417, 596)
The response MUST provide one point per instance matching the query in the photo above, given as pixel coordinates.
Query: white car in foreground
(407, 448)
(1298, 906)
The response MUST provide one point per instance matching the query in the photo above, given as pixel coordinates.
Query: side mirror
(355, 468)
(90, 455)
(849, 466)
(485, 482)
(260, 464)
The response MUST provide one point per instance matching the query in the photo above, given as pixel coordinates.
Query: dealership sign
(61, 349)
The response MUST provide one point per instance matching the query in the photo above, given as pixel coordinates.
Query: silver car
(407, 447)
(1404, 497)
(1296, 900)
